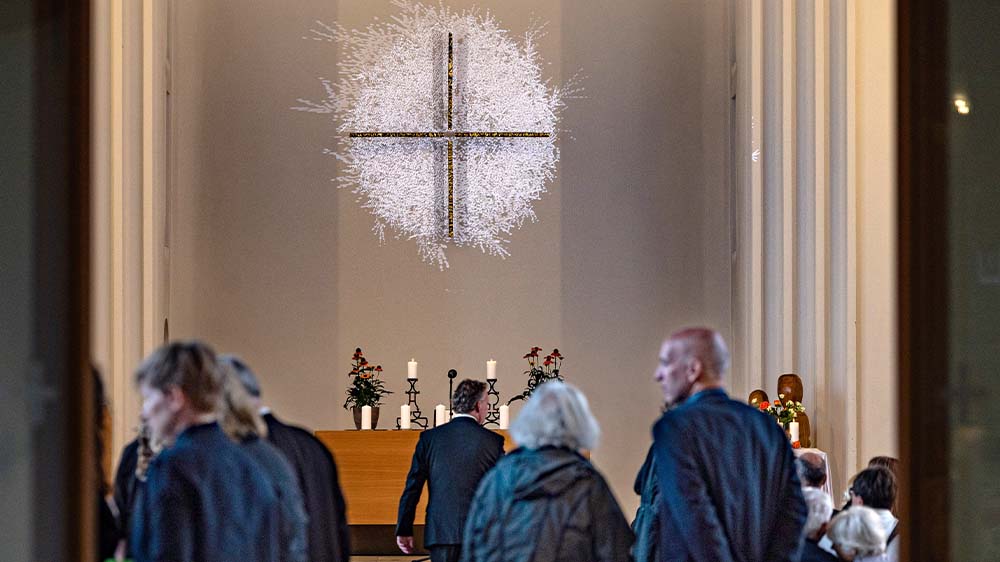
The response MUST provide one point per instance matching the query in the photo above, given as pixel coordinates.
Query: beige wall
(269, 260)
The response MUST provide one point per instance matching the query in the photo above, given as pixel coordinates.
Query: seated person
(857, 535)
(876, 488)
(820, 506)
(811, 469)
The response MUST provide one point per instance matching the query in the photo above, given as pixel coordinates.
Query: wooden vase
(790, 385)
(756, 397)
(356, 410)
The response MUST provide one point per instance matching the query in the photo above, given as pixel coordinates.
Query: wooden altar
(372, 466)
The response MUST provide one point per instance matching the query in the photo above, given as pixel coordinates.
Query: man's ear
(695, 369)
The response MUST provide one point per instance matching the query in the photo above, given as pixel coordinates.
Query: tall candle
(411, 369)
(366, 417)
(491, 369)
(404, 416)
(439, 415)
(793, 428)
(504, 416)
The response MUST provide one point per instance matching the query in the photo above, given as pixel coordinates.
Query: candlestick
(793, 428)
(404, 416)
(415, 417)
(492, 400)
(491, 370)
(366, 417)
(504, 416)
(411, 369)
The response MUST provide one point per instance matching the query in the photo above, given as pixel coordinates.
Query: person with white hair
(820, 506)
(858, 535)
(544, 501)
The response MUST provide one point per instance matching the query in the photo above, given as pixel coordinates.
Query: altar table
(372, 466)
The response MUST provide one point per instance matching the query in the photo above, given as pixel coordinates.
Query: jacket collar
(710, 395)
(199, 431)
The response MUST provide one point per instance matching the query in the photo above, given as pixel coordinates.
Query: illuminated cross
(450, 134)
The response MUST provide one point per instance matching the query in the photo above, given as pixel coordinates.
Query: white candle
(404, 416)
(793, 428)
(366, 417)
(439, 415)
(491, 370)
(504, 416)
(411, 369)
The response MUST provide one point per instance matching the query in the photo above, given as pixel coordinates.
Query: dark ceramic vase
(357, 417)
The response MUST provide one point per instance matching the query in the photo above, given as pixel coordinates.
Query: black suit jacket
(313, 464)
(452, 459)
(728, 483)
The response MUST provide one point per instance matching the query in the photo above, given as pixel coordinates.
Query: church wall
(269, 260)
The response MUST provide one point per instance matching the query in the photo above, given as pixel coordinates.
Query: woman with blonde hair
(242, 423)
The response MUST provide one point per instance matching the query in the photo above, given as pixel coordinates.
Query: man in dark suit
(726, 471)
(452, 459)
(313, 464)
(205, 499)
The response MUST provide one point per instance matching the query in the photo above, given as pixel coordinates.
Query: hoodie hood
(548, 471)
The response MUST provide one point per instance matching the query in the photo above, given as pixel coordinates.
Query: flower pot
(357, 417)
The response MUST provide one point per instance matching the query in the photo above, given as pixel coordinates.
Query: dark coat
(452, 459)
(646, 525)
(545, 505)
(292, 527)
(728, 483)
(316, 470)
(126, 487)
(205, 499)
(811, 552)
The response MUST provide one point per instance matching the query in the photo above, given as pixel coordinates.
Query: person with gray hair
(820, 506)
(858, 535)
(544, 501)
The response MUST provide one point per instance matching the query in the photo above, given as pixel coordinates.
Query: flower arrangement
(784, 413)
(540, 370)
(366, 388)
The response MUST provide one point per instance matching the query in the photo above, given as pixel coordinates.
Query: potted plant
(783, 413)
(366, 388)
(540, 370)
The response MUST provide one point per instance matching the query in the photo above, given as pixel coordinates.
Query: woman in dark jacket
(646, 525)
(545, 502)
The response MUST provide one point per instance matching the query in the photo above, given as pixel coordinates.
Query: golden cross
(450, 134)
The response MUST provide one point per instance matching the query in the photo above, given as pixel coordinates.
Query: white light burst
(393, 78)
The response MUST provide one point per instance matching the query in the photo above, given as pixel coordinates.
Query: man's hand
(405, 544)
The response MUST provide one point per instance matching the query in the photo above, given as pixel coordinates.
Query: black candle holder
(415, 415)
(493, 412)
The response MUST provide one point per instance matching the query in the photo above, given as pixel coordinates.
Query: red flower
(536, 349)
(526, 356)
(354, 371)
(378, 368)
(764, 405)
(555, 353)
(548, 361)
(364, 361)
(796, 445)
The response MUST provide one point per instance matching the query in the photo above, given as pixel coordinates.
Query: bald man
(811, 470)
(726, 472)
